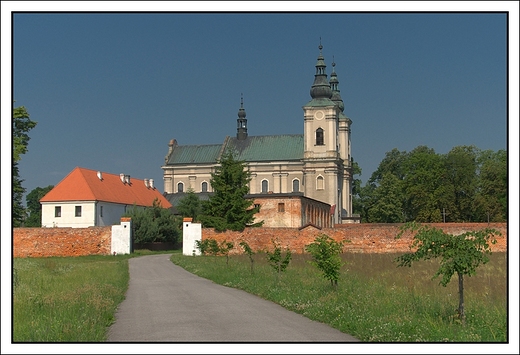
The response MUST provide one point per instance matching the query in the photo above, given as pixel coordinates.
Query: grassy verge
(375, 301)
(67, 299)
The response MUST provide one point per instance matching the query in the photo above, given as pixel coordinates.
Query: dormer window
(319, 136)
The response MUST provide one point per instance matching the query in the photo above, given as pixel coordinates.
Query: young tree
(34, 207)
(22, 124)
(249, 252)
(224, 248)
(189, 206)
(460, 254)
(207, 246)
(326, 256)
(278, 262)
(227, 208)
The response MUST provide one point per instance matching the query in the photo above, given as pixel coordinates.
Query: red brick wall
(42, 242)
(364, 237)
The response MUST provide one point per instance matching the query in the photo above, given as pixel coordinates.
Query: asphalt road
(165, 303)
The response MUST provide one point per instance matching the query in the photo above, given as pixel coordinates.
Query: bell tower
(323, 163)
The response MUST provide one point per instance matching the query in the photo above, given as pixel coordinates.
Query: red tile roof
(84, 185)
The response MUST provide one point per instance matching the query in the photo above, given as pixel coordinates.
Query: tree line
(464, 185)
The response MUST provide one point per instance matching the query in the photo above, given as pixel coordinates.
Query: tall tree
(460, 183)
(387, 178)
(491, 196)
(189, 205)
(388, 201)
(227, 208)
(22, 124)
(424, 172)
(34, 207)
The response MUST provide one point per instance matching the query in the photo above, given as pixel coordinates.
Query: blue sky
(109, 90)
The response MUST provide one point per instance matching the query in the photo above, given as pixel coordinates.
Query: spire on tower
(241, 121)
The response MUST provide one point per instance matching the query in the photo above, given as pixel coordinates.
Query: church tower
(323, 161)
(241, 121)
(345, 175)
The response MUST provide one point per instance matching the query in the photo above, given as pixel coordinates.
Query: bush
(326, 256)
(153, 224)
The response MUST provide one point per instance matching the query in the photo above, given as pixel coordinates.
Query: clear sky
(110, 90)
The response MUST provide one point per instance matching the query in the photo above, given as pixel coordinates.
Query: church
(296, 179)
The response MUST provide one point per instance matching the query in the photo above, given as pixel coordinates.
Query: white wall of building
(93, 213)
(68, 216)
(191, 232)
(121, 242)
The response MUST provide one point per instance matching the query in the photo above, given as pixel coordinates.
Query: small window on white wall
(319, 137)
(57, 211)
(204, 187)
(320, 183)
(180, 187)
(296, 185)
(265, 186)
(100, 211)
(78, 211)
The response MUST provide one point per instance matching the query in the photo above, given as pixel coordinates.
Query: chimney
(122, 177)
(146, 183)
(127, 179)
(151, 184)
(99, 175)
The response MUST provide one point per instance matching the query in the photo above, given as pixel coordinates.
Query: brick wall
(364, 237)
(42, 242)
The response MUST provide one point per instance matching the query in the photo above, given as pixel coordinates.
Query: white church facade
(316, 165)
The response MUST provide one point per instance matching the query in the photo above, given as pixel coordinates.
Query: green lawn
(375, 300)
(75, 299)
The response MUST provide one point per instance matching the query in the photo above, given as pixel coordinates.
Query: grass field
(375, 300)
(75, 299)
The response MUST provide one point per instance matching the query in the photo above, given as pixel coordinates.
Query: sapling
(460, 254)
(249, 252)
(275, 259)
(326, 256)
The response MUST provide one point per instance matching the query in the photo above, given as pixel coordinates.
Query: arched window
(319, 136)
(180, 187)
(204, 187)
(320, 183)
(265, 186)
(296, 185)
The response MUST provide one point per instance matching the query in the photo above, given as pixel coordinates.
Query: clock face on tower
(319, 115)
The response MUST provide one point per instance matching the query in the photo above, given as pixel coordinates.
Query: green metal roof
(320, 102)
(251, 149)
(268, 148)
(194, 154)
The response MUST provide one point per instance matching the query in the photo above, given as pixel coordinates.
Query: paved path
(165, 303)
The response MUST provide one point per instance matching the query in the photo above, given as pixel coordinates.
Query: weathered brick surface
(365, 238)
(43, 242)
